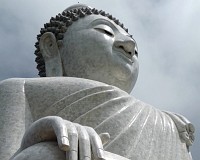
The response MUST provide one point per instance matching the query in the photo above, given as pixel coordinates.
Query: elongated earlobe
(51, 54)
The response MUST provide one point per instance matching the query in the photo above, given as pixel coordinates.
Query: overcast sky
(168, 37)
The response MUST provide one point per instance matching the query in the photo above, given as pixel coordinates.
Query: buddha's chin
(126, 82)
(125, 86)
(123, 74)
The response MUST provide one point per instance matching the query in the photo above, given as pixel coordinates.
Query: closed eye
(105, 32)
(136, 53)
(105, 29)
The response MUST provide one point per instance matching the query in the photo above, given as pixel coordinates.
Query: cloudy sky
(168, 37)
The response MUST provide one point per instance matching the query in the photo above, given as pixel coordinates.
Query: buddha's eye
(136, 52)
(105, 29)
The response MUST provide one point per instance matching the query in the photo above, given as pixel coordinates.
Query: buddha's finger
(105, 137)
(96, 143)
(73, 141)
(46, 129)
(84, 143)
(60, 130)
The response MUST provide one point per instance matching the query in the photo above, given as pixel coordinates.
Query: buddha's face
(96, 48)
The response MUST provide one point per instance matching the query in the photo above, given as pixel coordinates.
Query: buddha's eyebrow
(129, 36)
(102, 21)
(108, 23)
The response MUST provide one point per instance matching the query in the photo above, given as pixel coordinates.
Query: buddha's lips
(124, 55)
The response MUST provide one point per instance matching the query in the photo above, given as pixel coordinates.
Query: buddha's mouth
(124, 55)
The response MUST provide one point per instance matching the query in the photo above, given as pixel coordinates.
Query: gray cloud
(167, 33)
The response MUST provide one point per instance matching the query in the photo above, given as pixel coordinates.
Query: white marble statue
(81, 108)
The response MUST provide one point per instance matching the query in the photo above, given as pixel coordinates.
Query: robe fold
(138, 131)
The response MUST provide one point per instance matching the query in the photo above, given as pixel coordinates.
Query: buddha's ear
(51, 54)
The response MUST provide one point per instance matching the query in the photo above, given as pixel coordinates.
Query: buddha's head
(87, 43)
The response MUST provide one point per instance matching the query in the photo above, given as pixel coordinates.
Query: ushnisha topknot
(58, 26)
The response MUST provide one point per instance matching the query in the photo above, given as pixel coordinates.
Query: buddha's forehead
(94, 20)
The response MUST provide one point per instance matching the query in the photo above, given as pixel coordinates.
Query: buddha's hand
(76, 140)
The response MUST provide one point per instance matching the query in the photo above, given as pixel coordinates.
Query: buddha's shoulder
(12, 85)
(48, 83)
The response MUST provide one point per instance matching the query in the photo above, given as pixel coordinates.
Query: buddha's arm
(13, 116)
(51, 128)
(70, 136)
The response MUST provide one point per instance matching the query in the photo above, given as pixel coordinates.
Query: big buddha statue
(81, 108)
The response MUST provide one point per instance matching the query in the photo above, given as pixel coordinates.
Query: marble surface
(91, 64)
(137, 130)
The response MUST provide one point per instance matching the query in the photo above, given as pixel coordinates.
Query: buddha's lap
(41, 151)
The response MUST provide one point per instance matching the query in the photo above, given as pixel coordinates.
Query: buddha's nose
(128, 45)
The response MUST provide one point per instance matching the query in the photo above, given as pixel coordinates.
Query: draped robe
(138, 131)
